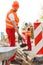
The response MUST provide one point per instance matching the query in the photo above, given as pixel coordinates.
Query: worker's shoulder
(10, 11)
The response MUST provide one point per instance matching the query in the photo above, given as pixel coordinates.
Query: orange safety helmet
(15, 5)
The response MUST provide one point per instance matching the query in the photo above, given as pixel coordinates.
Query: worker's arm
(16, 18)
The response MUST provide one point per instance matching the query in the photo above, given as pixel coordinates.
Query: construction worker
(12, 21)
(28, 34)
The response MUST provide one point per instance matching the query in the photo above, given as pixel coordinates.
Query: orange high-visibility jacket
(28, 33)
(11, 16)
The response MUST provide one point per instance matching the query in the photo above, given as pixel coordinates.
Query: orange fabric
(28, 33)
(7, 26)
(8, 22)
(15, 5)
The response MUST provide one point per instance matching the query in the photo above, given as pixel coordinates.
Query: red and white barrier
(38, 38)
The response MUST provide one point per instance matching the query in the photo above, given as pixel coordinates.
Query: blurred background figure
(28, 35)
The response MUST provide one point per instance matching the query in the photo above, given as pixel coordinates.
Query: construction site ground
(30, 63)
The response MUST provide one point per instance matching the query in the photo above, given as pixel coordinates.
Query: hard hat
(15, 5)
(26, 24)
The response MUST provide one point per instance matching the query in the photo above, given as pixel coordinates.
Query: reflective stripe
(9, 25)
(11, 16)
(8, 20)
